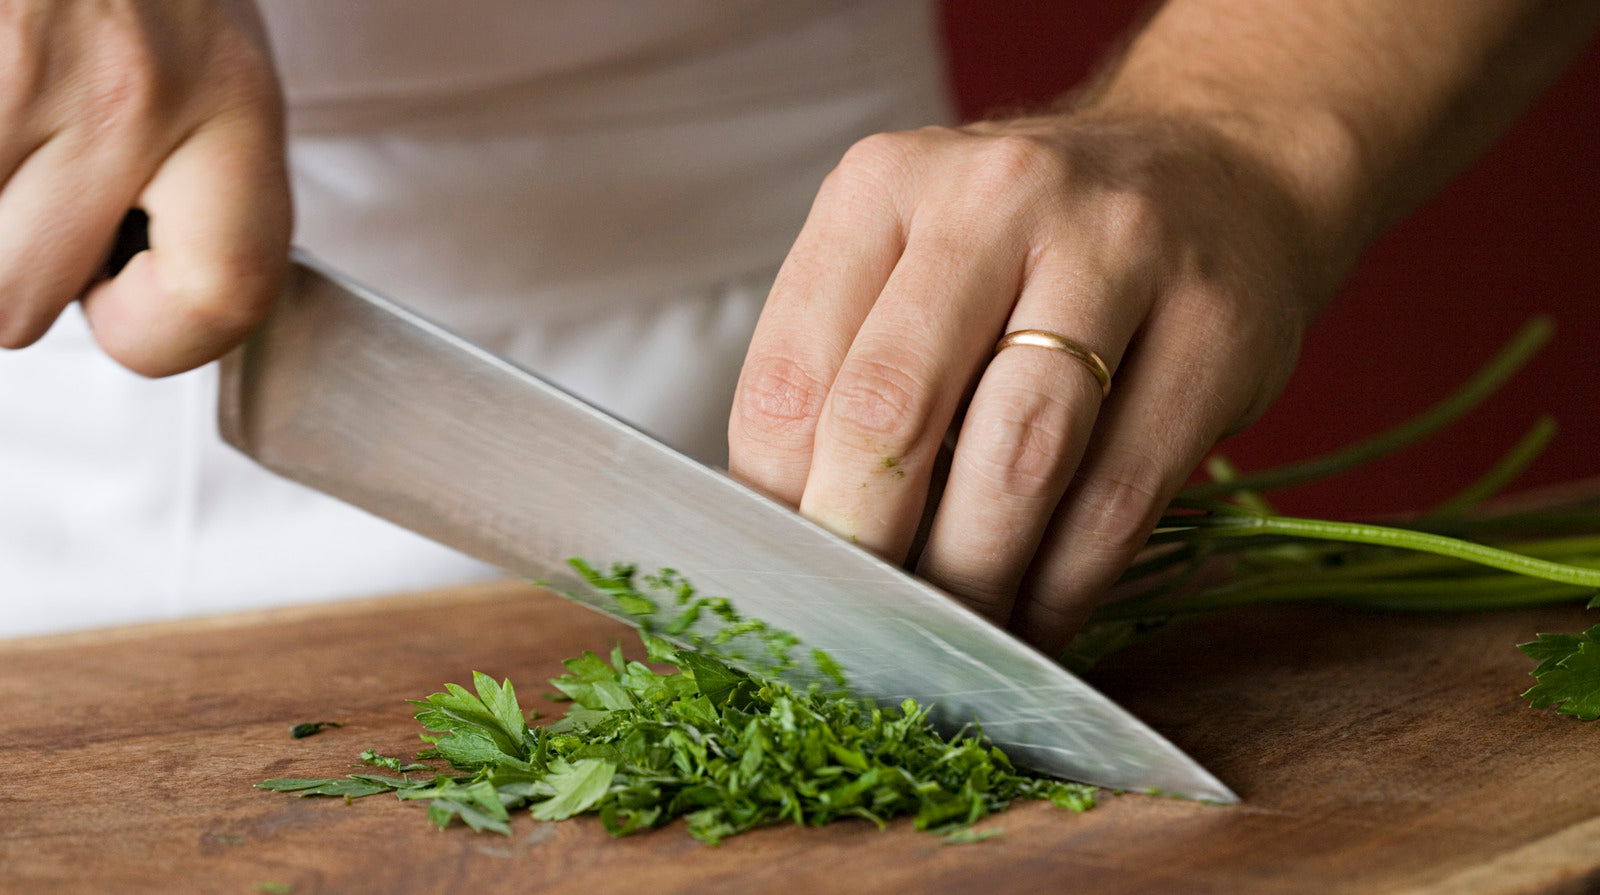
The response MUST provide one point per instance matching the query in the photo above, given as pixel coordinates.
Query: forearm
(1365, 107)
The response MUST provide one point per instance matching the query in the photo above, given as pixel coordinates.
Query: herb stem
(1507, 468)
(1580, 551)
(1233, 526)
(1353, 565)
(1494, 374)
(1221, 469)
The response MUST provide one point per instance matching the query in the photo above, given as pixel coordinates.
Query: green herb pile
(1226, 530)
(726, 749)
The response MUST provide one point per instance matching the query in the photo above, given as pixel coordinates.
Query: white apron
(598, 189)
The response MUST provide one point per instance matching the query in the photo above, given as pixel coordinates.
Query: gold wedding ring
(1046, 339)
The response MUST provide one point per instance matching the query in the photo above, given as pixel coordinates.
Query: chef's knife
(357, 397)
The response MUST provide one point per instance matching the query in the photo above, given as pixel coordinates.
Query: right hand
(1156, 238)
(167, 105)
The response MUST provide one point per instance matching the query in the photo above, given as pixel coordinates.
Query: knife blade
(355, 396)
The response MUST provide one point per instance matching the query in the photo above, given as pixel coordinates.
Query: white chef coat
(598, 189)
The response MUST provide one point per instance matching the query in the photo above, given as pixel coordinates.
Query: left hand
(1184, 262)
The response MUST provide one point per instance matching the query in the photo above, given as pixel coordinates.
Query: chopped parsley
(311, 728)
(725, 748)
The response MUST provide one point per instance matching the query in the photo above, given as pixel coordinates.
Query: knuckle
(1010, 159)
(1062, 606)
(1219, 304)
(135, 77)
(974, 574)
(983, 595)
(20, 328)
(883, 159)
(777, 393)
(1022, 443)
(870, 166)
(877, 405)
(875, 154)
(1133, 218)
(1122, 502)
(125, 78)
(1055, 616)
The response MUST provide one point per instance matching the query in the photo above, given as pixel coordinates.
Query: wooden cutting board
(1376, 753)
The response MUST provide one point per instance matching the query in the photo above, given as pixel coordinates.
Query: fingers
(170, 106)
(902, 382)
(825, 289)
(75, 148)
(1025, 431)
(220, 224)
(1174, 398)
(57, 212)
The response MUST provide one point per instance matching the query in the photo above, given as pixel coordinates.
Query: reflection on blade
(356, 397)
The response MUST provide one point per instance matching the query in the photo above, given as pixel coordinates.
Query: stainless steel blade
(357, 397)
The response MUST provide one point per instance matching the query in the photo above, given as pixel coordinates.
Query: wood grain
(1375, 752)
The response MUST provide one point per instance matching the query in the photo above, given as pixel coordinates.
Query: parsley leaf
(1568, 673)
(475, 729)
(578, 786)
(718, 683)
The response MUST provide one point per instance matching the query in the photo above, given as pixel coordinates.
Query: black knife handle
(133, 237)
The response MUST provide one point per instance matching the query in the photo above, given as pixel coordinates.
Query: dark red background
(1516, 235)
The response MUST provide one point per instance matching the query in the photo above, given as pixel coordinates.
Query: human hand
(1190, 266)
(166, 105)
